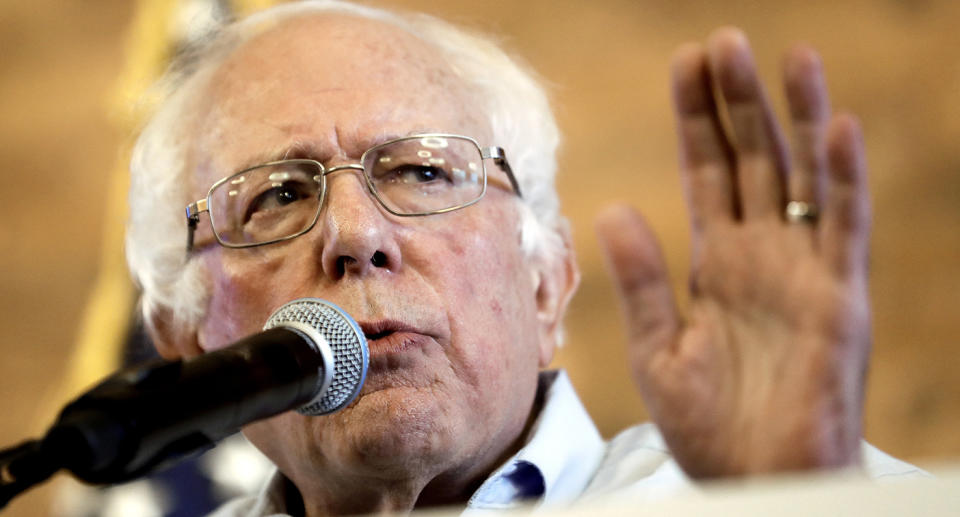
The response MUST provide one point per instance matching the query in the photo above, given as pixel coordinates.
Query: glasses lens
(426, 173)
(267, 203)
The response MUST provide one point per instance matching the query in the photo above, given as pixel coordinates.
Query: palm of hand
(766, 373)
(757, 377)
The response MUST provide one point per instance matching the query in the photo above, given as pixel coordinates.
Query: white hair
(516, 105)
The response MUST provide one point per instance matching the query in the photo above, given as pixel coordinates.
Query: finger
(760, 148)
(640, 275)
(845, 226)
(810, 113)
(705, 155)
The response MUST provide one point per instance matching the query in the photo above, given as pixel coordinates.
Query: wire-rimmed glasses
(411, 176)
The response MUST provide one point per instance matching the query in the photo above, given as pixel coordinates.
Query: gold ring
(801, 212)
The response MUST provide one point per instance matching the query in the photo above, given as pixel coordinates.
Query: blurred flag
(110, 334)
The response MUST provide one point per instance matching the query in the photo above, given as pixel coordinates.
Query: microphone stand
(22, 467)
(151, 415)
(80, 449)
(148, 416)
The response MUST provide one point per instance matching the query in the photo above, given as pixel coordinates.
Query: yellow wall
(894, 63)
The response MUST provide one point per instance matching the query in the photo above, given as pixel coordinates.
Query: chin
(398, 426)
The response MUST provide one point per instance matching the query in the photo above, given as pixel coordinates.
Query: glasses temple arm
(499, 157)
(193, 218)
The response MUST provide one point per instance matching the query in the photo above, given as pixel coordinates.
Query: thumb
(640, 276)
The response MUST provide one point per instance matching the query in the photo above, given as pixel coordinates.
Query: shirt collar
(559, 458)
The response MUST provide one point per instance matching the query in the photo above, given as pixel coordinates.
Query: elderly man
(374, 136)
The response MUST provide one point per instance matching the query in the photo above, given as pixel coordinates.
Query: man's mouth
(374, 330)
(385, 337)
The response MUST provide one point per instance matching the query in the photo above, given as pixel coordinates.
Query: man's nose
(357, 236)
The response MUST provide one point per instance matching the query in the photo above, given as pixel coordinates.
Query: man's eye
(417, 174)
(274, 199)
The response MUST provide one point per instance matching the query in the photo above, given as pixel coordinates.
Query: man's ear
(556, 279)
(171, 339)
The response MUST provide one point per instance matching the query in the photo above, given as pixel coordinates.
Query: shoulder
(239, 507)
(267, 503)
(882, 467)
(639, 461)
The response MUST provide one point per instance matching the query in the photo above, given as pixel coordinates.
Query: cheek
(479, 269)
(239, 304)
(488, 293)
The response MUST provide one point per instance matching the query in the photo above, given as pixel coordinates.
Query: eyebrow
(302, 149)
(297, 150)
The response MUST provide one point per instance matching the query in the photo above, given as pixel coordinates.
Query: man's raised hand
(766, 371)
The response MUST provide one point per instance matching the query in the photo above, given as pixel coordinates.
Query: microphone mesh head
(346, 341)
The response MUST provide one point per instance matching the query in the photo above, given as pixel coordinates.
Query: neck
(403, 491)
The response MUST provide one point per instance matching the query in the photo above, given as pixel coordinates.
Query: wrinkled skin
(764, 374)
(451, 389)
(766, 371)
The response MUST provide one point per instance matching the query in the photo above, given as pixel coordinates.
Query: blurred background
(66, 120)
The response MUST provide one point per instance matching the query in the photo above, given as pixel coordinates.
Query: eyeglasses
(411, 176)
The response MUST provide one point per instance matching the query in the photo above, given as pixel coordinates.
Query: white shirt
(566, 460)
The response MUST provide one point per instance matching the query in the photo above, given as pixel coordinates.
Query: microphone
(311, 356)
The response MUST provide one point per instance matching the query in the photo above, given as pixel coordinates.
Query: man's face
(452, 380)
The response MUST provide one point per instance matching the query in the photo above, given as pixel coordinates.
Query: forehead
(336, 84)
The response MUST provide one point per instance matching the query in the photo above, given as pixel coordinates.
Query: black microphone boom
(312, 356)
(137, 419)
